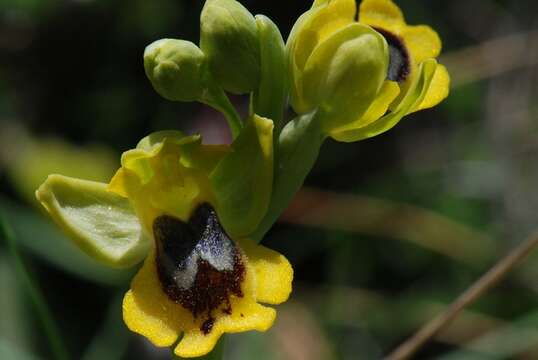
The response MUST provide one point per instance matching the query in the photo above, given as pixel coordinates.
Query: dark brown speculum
(399, 61)
(198, 265)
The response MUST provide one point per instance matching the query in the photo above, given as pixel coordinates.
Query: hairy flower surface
(188, 208)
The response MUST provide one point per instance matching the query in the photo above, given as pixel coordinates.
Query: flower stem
(487, 281)
(58, 349)
(217, 99)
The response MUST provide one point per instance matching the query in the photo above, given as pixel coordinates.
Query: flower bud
(344, 74)
(176, 68)
(229, 38)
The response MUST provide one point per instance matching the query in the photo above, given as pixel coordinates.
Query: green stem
(217, 99)
(298, 149)
(52, 332)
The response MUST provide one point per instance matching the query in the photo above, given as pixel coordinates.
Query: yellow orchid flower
(188, 209)
(362, 76)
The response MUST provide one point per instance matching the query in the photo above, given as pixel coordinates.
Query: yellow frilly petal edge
(422, 42)
(381, 13)
(438, 90)
(274, 274)
(149, 312)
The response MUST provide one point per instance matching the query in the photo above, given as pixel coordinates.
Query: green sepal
(139, 160)
(270, 98)
(193, 154)
(229, 39)
(299, 144)
(413, 97)
(344, 74)
(242, 181)
(100, 222)
(294, 70)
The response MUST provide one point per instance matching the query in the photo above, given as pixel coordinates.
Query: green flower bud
(229, 38)
(177, 69)
(337, 66)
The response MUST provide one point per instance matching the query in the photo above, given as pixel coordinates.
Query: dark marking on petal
(399, 59)
(227, 310)
(198, 265)
(207, 326)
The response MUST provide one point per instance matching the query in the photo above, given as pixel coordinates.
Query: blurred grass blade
(43, 239)
(394, 220)
(11, 352)
(111, 342)
(507, 342)
(57, 346)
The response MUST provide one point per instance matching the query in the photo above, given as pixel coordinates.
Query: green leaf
(12, 352)
(41, 308)
(100, 222)
(243, 179)
(271, 96)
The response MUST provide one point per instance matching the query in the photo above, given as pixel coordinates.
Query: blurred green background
(386, 233)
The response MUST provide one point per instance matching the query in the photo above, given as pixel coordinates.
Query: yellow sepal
(381, 13)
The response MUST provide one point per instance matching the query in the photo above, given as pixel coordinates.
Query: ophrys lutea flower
(188, 209)
(362, 76)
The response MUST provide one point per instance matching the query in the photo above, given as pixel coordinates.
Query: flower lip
(198, 265)
(399, 60)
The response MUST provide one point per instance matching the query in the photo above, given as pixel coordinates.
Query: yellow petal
(274, 274)
(165, 178)
(320, 25)
(335, 16)
(149, 312)
(422, 42)
(195, 343)
(246, 315)
(438, 90)
(117, 184)
(381, 13)
(205, 157)
(255, 317)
